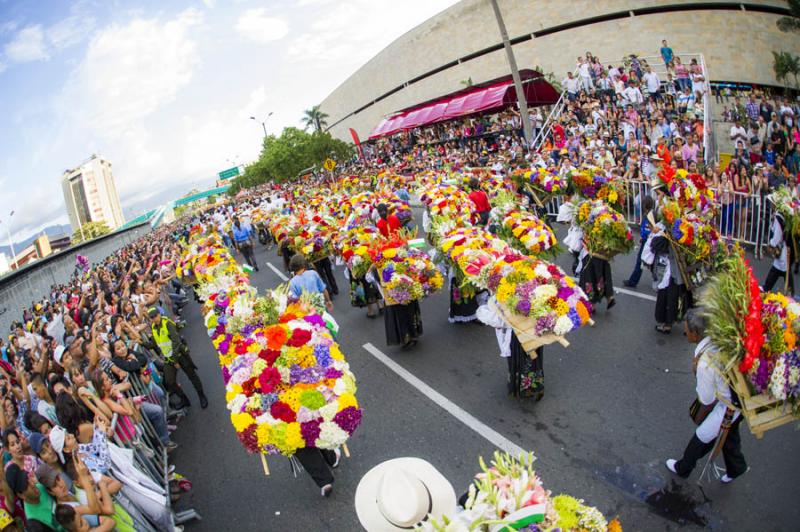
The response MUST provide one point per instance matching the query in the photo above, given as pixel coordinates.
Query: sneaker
(203, 402)
(338, 454)
(171, 446)
(725, 479)
(671, 465)
(326, 490)
(628, 284)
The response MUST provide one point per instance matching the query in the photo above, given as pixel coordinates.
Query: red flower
(286, 318)
(269, 355)
(300, 337)
(241, 348)
(347, 254)
(249, 387)
(268, 379)
(282, 411)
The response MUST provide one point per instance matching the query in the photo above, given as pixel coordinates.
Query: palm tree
(791, 22)
(780, 65)
(314, 118)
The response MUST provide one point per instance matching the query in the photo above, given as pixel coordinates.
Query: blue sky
(164, 89)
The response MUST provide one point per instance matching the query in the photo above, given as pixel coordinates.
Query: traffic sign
(229, 173)
(329, 165)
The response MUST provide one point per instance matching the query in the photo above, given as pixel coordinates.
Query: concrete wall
(737, 45)
(19, 289)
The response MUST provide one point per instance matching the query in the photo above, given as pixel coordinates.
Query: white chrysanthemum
(541, 271)
(237, 404)
(331, 436)
(563, 326)
(328, 411)
(545, 291)
(285, 374)
(777, 381)
(266, 418)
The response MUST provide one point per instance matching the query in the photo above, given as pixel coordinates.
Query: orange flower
(276, 336)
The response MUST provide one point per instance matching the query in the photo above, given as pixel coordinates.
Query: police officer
(172, 347)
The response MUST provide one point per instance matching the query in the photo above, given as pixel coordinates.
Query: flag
(358, 143)
(247, 268)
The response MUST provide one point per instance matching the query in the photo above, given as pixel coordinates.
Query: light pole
(512, 63)
(10, 242)
(263, 122)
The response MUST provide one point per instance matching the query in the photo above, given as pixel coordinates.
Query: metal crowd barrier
(741, 217)
(149, 456)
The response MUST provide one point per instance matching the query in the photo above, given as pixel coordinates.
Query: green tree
(315, 118)
(792, 21)
(284, 157)
(89, 231)
(785, 64)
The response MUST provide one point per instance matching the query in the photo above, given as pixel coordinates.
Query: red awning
(493, 95)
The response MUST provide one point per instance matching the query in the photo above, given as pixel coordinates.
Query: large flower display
(541, 291)
(405, 273)
(756, 336)
(449, 201)
(605, 230)
(528, 233)
(508, 495)
(545, 183)
(287, 383)
(592, 183)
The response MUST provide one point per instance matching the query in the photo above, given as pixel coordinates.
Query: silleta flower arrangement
(449, 201)
(353, 246)
(471, 250)
(406, 274)
(287, 383)
(755, 333)
(508, 495)
(541, 291)
(528, 233)
(690, 191)
(605, 230)
(592, 183)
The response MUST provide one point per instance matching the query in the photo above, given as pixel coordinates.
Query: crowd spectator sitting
(81, 393)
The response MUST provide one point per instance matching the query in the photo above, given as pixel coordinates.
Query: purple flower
(575, 317)
(348, 419)
(333, 373)
(315, 319)
(323, 355)
(248, 329)
(226, 375)
(387, 273)
(310, 432)
(545, 324)
(524, 306)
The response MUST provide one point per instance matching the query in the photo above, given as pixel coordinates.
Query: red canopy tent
(488, 96)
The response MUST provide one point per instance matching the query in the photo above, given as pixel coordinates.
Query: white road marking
(627, 292)
(277, 271)
(635, 294)
(500, 441)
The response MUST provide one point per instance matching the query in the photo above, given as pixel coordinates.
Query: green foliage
(792, 22)
(284, 157)
(90, 231)
(785, 64)
(314, 118)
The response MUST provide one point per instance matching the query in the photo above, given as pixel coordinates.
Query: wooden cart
(762, 412)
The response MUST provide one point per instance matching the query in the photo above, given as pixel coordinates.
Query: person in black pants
(325, 270)
(719, 416)
(319, 463)
(241, 239)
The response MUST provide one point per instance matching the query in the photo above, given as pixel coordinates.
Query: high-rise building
(91, 195)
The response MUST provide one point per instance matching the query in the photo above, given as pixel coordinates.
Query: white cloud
(69, 31)
(131, 71)
(27, 45)
(3, 66)
(257, 26)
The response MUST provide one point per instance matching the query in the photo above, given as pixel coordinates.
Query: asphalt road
(615, 408)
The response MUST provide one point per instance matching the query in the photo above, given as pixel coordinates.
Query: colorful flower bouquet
(535, 289)
(788, 205)
(406, 274)
(449, 201)
(592, 183)
(508, 495)
(755, 335)
(605, 230)
(353, 246)
(528, 233)
(287, 384)
(690, 191)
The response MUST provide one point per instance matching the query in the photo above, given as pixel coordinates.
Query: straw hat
(398, 494)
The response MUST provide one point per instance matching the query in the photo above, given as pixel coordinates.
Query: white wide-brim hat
(401, 493)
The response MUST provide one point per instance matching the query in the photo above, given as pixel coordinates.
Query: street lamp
(263, 122)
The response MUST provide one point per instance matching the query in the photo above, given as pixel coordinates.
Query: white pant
(586, 83)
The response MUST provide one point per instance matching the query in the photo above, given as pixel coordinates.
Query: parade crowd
(88, 376)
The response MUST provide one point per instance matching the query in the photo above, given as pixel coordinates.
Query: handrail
(548, 124)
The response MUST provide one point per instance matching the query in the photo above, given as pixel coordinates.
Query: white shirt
(633, 95)
(653, 83)
(488, 315)
(775, 241)
(571, 84)
(583, 70)
(738, 132)
(710, 387)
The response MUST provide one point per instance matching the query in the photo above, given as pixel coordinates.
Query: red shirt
(481, 200)
(390, 225)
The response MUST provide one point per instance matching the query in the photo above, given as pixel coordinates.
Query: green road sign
(229, 173)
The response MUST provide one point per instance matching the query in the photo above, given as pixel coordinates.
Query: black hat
(17, 478)
(152, 312)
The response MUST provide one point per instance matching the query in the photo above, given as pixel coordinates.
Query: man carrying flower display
(715, 418)
(305, 280)
(167, 341)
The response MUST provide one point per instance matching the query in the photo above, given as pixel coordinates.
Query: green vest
(161, 336)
